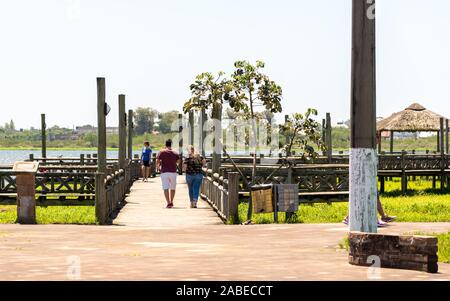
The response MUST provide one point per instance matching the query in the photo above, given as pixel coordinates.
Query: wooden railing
(111, 189)
(222, 194)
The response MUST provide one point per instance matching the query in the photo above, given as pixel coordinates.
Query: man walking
(167, 162)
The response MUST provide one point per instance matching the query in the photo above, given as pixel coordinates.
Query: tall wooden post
(180, 142)
(101, 127)
(438, 140)
(324, 134)
(191, 128)
(217, 144)
(286, 118)
(447, 145)
(44, 136)
(391, 148)
(329, 141)
(363, 156)
(442, 148)
(202, 132)
(379, 140)
(122, 132)
(130, 134)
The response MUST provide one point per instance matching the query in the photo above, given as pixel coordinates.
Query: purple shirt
(168, 160)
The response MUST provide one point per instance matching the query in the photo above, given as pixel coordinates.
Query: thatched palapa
(415, 118)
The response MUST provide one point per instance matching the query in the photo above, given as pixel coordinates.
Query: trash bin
(262, 198)
(286, 197)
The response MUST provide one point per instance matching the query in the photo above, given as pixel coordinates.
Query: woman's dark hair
(169, 143)
(147, 143)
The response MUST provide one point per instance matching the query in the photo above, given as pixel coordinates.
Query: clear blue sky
(52, 51)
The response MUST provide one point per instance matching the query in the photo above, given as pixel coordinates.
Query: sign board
(31, 167)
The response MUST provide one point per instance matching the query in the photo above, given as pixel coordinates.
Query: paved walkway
(149, 242)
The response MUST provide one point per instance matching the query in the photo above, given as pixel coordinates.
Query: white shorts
(169, 180)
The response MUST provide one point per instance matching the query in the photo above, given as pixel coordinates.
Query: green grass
(82, 215)
(421, 204)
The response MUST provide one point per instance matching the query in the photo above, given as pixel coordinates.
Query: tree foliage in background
(303, 133)
(166, 120)
(144, 119)
(207, 90)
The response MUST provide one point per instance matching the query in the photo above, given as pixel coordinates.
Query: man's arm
(158, 164)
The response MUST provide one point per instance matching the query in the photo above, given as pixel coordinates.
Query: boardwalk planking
(146, 208)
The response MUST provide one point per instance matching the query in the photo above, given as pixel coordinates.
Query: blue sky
(52, 51)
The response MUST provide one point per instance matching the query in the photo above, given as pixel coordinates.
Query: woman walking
(145, 158)
(193, 165)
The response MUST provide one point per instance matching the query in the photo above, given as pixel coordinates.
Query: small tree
(166, 120)
(145, 120)
(304, 132)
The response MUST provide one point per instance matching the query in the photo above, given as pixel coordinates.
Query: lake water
(11, 156)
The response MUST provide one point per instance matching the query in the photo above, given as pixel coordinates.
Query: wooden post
(202, 132)
(233, 197)
(446, 137)
(217, 144)
(235, 137)
(180, 144)
(101, 206)
(130, 134)
(363, 156)
(44, 136)
(380, 140)
(404, 177)
(382, 185)
(442, 146)
(329, 141)
(438, 148)
(392, 142)
(191, 128)
(324, 134)
(81, 159)
(122, 132)
(286, 118)
(101, 127)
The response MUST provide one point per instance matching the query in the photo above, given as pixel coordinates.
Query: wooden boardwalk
(146, 207)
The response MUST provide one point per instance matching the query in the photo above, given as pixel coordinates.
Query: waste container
(262, 198)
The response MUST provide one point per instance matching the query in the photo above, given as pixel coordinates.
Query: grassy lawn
(421, 204)
(82, 215)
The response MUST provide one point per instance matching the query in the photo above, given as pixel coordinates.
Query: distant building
(89, 129)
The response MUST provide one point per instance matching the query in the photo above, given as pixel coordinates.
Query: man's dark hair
(147, 143)
(169, 143)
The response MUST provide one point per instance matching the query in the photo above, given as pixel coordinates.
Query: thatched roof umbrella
(415, 118)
